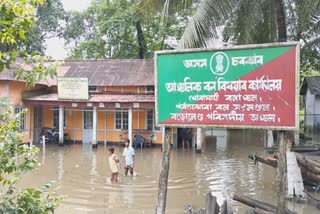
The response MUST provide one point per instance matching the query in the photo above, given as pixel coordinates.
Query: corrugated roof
(101, 98)
(111, 72)
(313, 83)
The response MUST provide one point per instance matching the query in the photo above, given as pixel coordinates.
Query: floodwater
(82, 175)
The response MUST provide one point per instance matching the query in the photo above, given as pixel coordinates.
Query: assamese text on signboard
(241, 87)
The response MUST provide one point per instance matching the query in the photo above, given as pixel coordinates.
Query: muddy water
(81, 174)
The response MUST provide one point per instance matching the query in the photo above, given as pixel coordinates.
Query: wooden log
(309, 175)
(163, 178)
(224, 207)
(305, 149)
(308, 163)
(259, 204)
(253, 203)
(262, 160)
(212, 206)
(260, 211)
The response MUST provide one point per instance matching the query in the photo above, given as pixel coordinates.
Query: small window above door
(93, 89)
(150, 89)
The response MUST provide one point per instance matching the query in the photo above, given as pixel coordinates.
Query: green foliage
(16, 19)
(49, 23)
(252, 22)
(120, 29)
(16, 159)
(308, 72)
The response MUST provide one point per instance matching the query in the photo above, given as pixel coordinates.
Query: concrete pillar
(199, 139)
(175, 138)
(61, 119)
(105, 128)
(270, 141)
(130, 125)
(296, 138)
(94, 127)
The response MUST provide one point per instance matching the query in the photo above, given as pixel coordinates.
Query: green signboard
(245, 86)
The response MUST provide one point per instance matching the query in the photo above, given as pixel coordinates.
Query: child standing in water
(113, 162)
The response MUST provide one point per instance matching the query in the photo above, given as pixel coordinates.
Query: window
(87, 118)
(150, 89)
(93, 88)
(151, 121)
(56, 118)
(22, 118)
(121, 119)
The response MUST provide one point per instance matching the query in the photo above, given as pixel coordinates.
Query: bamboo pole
(163, 178)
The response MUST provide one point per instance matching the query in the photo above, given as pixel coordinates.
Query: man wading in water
(128, 154)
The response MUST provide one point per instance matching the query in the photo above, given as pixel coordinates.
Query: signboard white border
(239, 47)
(87, 80)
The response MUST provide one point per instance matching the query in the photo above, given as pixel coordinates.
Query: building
(121, 102)
(311, 96)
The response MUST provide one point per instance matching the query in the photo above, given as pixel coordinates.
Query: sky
(55, 46)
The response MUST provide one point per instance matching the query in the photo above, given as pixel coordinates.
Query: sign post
(252, 86)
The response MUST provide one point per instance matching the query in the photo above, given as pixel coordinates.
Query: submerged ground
(82, 174)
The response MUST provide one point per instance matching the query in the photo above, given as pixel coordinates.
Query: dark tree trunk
(140, 38)
(281, 20)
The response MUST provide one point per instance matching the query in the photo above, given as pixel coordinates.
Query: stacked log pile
(310, 169)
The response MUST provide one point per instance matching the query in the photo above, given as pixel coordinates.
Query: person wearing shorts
(128, 154)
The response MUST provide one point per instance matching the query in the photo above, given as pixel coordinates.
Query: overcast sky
(55, 46)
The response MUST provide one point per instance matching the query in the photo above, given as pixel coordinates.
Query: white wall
(309, 108)
(317, 110)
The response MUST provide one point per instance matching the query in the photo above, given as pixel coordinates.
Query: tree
(50, 20)
(17, 17)
(260, 21)
(119, 29)
(16, 159)
(47, 23)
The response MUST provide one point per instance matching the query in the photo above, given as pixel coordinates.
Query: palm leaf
(204, 23)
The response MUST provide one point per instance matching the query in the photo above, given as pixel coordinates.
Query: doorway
(37, 123)
(186, 133)
(87, 129)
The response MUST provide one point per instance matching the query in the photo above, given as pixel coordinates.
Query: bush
(16, 159)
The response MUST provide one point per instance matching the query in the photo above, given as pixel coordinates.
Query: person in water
(128, 154)
(114, 165)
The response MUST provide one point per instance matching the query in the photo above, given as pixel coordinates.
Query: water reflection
(60, 164)
(224, 168)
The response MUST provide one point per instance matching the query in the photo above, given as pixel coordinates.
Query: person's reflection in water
(60, 164)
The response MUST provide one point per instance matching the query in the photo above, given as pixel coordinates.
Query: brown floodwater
(82, 175)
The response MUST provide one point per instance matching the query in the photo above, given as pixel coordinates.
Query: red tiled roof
(99, 98)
